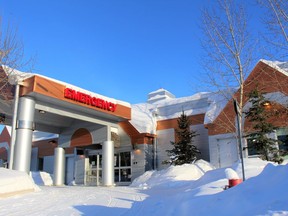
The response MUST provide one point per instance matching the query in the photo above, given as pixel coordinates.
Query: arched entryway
(81, 137)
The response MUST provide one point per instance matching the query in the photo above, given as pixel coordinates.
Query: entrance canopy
(59, 105)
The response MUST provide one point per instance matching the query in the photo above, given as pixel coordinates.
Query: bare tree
(276, 20)
(228, 48)
(11, 58)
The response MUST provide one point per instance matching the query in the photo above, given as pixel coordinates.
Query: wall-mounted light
(266, 104)
(42, 111)
(136, 149)
(53, 143)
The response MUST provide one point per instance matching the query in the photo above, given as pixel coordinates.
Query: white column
(108, 163)
(13, 128)
(59, 166)
(24, 132)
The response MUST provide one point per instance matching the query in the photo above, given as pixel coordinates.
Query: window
(282, 135)
(251, 147)
(122, 167)
(40, 164)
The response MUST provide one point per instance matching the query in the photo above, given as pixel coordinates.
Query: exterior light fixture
(53, 143)
(42, 112)
(266, 104)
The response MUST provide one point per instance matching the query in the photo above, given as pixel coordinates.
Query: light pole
(154, 120)
(236, 108)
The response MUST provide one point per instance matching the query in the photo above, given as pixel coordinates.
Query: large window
(282, 135)
(122, 167)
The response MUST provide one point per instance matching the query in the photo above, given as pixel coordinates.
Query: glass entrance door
(122, 167)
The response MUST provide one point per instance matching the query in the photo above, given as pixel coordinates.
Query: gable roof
(267, 76)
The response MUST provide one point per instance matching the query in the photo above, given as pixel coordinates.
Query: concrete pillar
(24, 132)
(108, 163)
(59, 166)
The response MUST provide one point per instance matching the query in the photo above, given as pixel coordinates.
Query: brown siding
(81, 137)
(263, 77)
(135, 136)
(28, 86)
(45, 147)
(172, 123)
(146, 138)
(7, 90)
(69, 150)
(4, 137)
(52, 89)
(279, 119)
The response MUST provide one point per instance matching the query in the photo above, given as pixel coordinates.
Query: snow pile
(252, 166)
(263, 194)
(15, 182)
(42, 178)
(173, 176)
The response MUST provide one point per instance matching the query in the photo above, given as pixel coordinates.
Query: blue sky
(122, 49)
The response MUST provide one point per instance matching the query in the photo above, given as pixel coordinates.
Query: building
(84, 123)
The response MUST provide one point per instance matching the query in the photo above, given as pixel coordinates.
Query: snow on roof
(142, 118)
(39, 135)
(159, 91)
(280, 66)
(15, 76)
(217, 103)
(144, 115)
(160, 94)
(8, 129)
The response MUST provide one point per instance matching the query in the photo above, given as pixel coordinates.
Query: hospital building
(83, 137)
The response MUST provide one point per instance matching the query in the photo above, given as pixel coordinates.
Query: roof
(162, 104)
(280, 66)
(15, 76)
(144, 115)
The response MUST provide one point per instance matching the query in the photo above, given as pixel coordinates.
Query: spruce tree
(183, 150)
(259, 115)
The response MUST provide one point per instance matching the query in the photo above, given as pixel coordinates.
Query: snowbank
(15, 182)
(263, 193)
(252, 166)
(42, 178)
(172, 176)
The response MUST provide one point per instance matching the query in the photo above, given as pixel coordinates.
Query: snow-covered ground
(195, 189)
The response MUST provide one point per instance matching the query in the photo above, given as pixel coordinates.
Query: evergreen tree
(258, 115)
(183, 150)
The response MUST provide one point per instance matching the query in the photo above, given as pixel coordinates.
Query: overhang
(60, 105)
